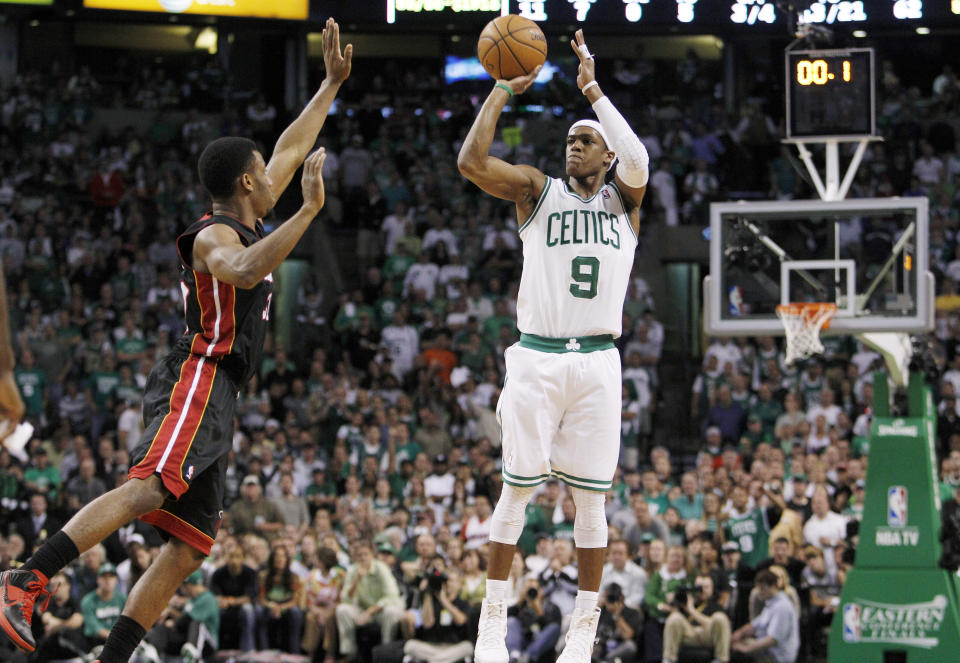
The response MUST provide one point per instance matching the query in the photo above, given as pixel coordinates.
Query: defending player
(177, 473)
(560, 406)
(11, 404)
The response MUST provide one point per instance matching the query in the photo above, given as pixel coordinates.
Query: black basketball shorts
(188, 411)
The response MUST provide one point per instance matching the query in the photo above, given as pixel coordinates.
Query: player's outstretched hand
(312, 180)
(587, 72)
(521, 84)
(336, 63)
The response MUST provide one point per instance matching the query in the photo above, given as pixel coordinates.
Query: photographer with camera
(618, 629)
(533, 625)
(699, 621)
(660, 600)
(442, 636)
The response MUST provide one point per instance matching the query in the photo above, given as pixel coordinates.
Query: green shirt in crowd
(660, 584)
(103, 385)
(46, 479)
(204, 609)
(100, 614)
(32, 384)
(752, 531)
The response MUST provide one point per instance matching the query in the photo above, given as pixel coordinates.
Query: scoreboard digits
(704, 14)
(830, 93)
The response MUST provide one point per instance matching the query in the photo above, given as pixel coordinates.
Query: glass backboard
(868, 256)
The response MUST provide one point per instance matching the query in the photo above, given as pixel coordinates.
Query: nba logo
(897, 506)
(851, 622)
(606, 195)
(736, 300)
(189, 472)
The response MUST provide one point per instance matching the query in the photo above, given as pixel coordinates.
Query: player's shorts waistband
(573, 344)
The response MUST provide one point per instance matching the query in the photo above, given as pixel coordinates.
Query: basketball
(511, 46)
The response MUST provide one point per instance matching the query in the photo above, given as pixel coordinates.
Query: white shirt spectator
(726, 352)
(476, 532)
(130, 426)
(831, 413)
(928, 169)
(509, 238)
(445, 235)
(393, 227)
(439, 485)
(536, 564)
(402, 343)
(632, 580)
(453, 272)
(665, 189)
(479, 307)
(832, 528)
(641, 380)
(864, 359)
(421, 276)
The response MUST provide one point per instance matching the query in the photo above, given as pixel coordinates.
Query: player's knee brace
(590, 526)
(507, 523)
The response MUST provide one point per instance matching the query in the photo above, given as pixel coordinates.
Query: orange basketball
(511, 46)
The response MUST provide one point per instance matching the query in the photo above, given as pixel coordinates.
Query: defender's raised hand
(587, 71)
(312, 180)
(336, 63)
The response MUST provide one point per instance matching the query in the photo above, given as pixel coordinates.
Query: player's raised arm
(633, 167)
(217, 249)
(520, 184)
(297, 139)
(11, 404)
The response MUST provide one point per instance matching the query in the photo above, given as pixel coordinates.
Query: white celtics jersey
(577, 257)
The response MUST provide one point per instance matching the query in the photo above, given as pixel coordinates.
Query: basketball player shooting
(178, 469)
(559, 409)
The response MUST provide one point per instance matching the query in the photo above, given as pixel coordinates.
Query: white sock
(496, 590)
(586, 601)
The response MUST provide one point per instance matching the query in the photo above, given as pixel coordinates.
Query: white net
(802, 324)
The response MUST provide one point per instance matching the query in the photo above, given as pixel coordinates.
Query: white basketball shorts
(559, 411)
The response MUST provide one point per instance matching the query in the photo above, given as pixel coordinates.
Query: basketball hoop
(802, 323)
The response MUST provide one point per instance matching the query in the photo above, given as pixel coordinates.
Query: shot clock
(830, 93)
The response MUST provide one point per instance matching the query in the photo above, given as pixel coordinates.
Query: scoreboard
(666, 15)
(830, 93)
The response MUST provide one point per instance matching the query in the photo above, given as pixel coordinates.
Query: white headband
(593, 124)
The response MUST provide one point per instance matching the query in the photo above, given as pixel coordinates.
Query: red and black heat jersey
(224, 322)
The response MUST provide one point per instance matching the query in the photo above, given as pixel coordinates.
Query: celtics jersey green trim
(626, 209)
(569, 479)
(564, 475)
(543, 196)
(575, 483)
(515, 477)
(561, 345)
(566, 187)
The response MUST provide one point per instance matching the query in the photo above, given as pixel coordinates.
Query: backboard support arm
(831, 187)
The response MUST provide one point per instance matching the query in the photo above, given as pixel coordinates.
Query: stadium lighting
(206, 40)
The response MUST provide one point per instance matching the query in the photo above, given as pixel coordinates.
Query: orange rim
(809, 311)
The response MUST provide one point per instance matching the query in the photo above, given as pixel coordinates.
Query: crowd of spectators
(365, 462)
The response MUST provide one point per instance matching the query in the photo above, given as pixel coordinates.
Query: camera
(532, 593)
(682, 592)
(435, 580)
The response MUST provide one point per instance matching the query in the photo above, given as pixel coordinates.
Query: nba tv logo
(851, 622)
(897, 506)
